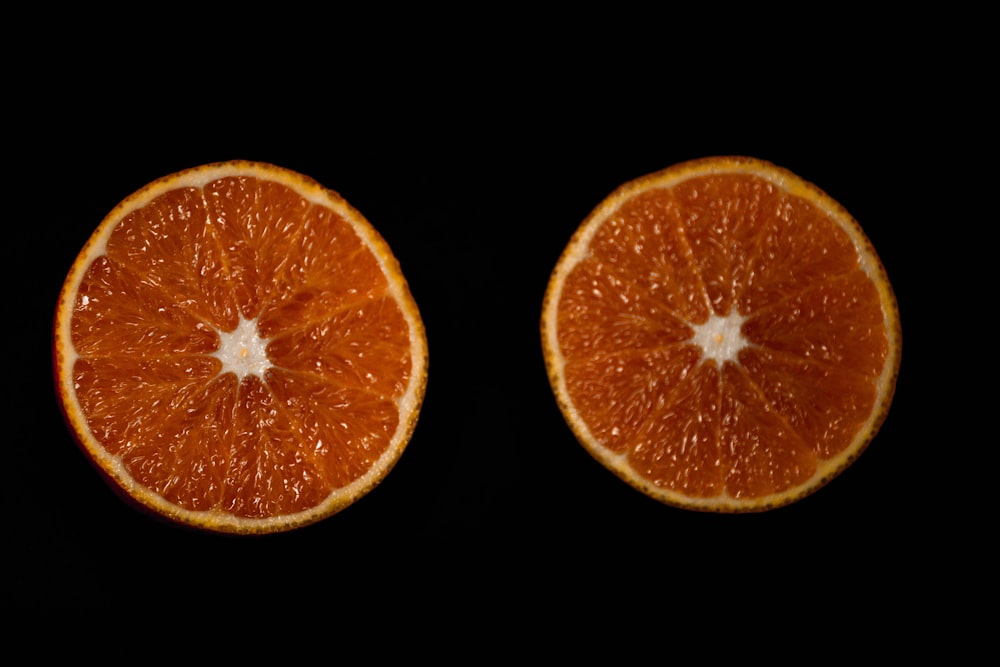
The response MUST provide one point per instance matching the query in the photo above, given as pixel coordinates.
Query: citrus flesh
(237, 349)
(722, 335)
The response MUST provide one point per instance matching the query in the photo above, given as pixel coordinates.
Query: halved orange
(722, 335)
(237, 350)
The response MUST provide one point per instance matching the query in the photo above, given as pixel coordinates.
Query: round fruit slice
(722, 335)
(237, 350)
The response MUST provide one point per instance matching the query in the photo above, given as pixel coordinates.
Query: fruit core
(720, 337)
(243, 351)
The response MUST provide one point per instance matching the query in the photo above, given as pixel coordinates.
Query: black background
(476, 155)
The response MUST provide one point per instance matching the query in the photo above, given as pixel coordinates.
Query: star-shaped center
(720, 338)
(243, 351)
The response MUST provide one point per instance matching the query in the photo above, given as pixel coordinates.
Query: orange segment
(721, 335)
(237, 350)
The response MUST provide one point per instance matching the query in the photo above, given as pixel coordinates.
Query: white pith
(243, 351)
(720, 338)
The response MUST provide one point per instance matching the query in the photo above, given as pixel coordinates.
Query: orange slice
(236, 349)
(722, 335)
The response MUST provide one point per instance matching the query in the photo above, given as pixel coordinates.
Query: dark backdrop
(476, 158)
